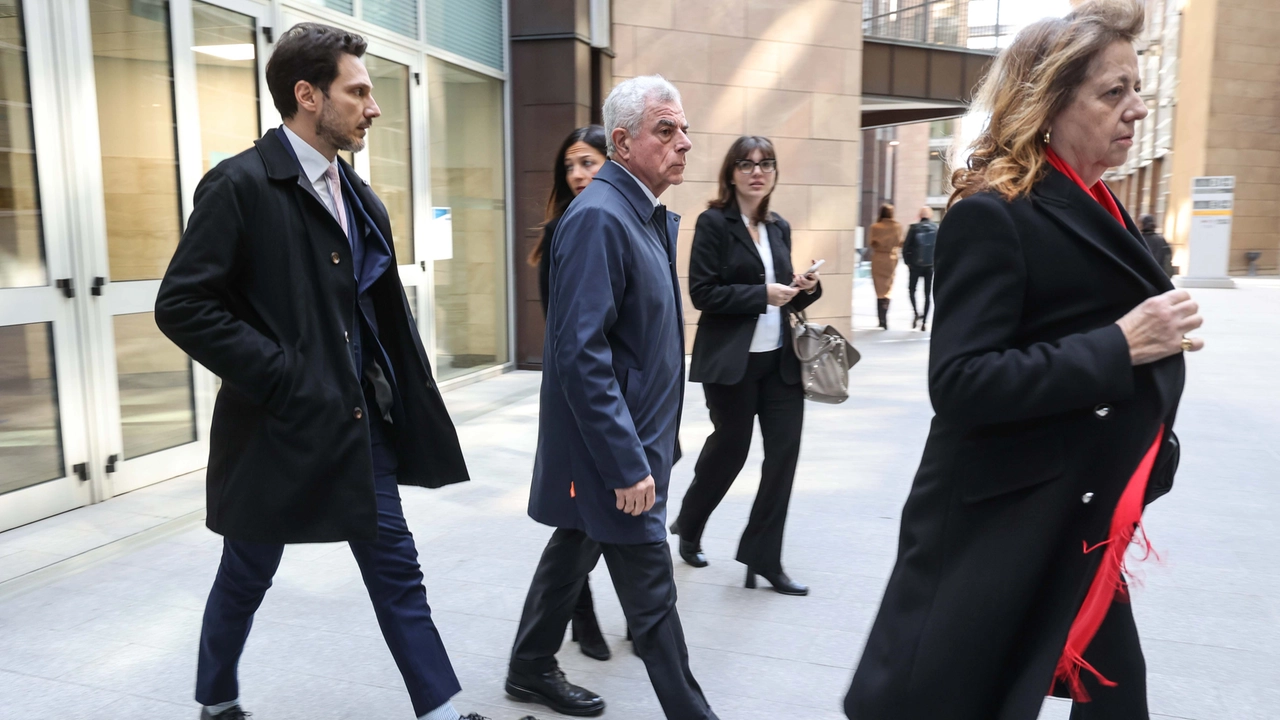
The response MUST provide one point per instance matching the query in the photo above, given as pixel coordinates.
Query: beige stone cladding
(786, 69)
(911, 192)
(1228, 120)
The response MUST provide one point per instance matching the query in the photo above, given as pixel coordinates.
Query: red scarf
(1099, 190)
(1107, 585)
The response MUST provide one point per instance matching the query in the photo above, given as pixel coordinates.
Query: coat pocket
(631, 389)
(990, 466)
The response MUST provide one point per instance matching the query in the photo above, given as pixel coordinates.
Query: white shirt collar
(313, 163)
(647, 192)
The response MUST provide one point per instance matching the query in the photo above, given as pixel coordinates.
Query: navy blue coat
(613, 364)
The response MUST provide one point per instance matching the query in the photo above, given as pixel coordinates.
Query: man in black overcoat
(285, 286)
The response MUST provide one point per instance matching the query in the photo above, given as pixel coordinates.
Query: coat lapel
(738, 229)
(1063, 200)
(283, 166)
(782, 269)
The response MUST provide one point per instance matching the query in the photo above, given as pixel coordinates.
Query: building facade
(112, 112)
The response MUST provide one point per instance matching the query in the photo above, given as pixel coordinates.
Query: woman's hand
(805, 282)
(1155, 328)
(780, 294)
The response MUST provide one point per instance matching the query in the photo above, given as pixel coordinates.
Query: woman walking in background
(1159, 247)
(581, 156)
(740, 277)
(1055, 371)
(884, 239)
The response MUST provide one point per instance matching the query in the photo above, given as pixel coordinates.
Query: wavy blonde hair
(1030, 83)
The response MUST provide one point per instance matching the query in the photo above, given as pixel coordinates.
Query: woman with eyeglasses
(740, 277)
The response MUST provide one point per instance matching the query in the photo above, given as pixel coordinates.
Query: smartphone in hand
(812, 269)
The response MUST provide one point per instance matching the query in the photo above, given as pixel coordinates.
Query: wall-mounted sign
(1209, 242)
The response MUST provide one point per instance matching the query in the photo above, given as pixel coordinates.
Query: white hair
(624, 108)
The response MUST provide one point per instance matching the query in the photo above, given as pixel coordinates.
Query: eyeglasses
(746, 167)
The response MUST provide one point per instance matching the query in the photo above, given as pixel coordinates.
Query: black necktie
(659, 221)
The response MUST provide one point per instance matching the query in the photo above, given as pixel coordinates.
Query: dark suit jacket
(1037, 404)
(727, 283)
(261, 291)
(613, 364)
(544, 264)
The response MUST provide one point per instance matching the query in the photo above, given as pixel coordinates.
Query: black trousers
(734, 408)
(914, 275)
(643, 579)
(1116, 653)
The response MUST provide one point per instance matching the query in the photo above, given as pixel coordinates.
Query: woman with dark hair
(740, 277)
(884, 239)
(1055, 370)
(581, 156)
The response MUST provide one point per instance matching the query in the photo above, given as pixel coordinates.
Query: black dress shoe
(232, 713)
(780, 582)
(586, 632)
(555, 691)
(691, 552)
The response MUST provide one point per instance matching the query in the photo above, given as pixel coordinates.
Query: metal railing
(952, 23)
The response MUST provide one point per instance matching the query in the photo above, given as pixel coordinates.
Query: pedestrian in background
(581, 156)
(884, 239)
(612, 389)
(1159, 247)
(285, 286)
(917, 253)
(1055, 370)
(740, 277)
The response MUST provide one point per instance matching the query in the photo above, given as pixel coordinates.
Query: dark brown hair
(561, 194)
(741, 149)
(311, 52)
(886, 212)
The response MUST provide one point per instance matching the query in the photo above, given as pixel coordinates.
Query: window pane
(390, 171)
(343, 6)
(21, 245)
(470, 28)
(30, 433)
(468, 192)
(134, 76)
(396, 15)
(157, 402)
(227, 81)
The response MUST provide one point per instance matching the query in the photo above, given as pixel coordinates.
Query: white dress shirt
(314, 166)
(768, 334)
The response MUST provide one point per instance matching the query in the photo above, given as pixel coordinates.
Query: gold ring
(1186, 344)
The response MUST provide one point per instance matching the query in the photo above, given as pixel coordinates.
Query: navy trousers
(391, 574)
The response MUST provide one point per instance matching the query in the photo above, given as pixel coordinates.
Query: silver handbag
(825, 358)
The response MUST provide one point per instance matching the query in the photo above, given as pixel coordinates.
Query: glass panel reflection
(157, 402)
(226, 80)
(390, 171)
(411, 293)
(468, 238)
(21, 245)
(30, 432)
(134, 80)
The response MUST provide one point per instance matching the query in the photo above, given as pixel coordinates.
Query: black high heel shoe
(780, 582)
(586, 632)
(690, 550)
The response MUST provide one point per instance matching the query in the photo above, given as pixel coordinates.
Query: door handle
(67, 286)
(98, 282)
(111, 463)
(81, 471)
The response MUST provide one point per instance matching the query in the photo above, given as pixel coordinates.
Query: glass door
(44, 464)
(176, 85)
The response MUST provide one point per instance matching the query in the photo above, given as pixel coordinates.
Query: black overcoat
(262, 293)
(727, 283)
(1040, 421)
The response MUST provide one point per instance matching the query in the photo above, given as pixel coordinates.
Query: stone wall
(787, 69)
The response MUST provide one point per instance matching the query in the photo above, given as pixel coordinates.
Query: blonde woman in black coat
(1055, 372)
(740, 277)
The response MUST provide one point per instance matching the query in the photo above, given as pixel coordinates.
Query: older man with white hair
(612, 387)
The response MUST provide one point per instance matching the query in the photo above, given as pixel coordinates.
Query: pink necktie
(335, 194)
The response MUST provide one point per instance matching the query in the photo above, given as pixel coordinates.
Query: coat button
(358, 413)
(1102, 410)
(336, 258)
(1086, 498)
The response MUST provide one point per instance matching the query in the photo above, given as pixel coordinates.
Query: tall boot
(882, 311)
(586, 628)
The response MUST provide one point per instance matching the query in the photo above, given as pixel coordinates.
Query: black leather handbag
(1165, 467)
